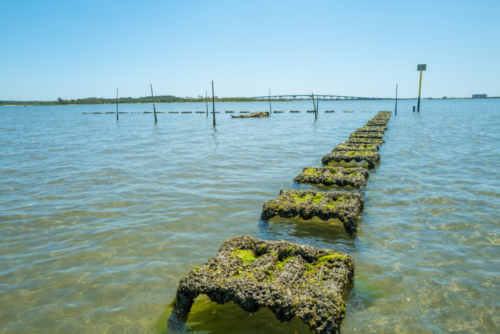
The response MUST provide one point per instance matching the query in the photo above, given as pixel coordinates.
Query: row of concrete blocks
(203, 112)
(292, 280)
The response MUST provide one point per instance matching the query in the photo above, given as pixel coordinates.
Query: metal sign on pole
(421, 68)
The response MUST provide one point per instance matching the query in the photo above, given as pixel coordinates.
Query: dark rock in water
(148, 112)
(97, 112)
(123, 112)
(338, 176)
(278, 112)
(290, 279)
(311, 111)
(173, 112)
(307, 204)
(295, 111)
(372, 158)
(356, 147)
(364, 141)
(329, 111)
(348, 111)
(256, 114)
(375, 135)
(200, 112)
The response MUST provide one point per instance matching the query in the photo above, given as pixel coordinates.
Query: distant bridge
(320, 97)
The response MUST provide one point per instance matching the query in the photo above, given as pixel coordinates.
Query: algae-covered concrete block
(376, 123)
(356, 147)
(380, 129)
(292, 280)
(307, 204)
(370, 157)
(364, 141)
(375, 135)
(334, 176)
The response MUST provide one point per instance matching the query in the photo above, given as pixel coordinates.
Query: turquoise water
(100, 219)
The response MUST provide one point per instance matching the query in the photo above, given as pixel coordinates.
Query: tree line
(121, 100)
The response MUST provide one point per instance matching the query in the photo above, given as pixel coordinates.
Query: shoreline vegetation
(199, 99)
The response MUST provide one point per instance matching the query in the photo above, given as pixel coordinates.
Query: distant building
(444, 97)
(479, 96)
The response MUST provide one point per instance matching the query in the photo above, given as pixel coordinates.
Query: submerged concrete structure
(306, 204)
(375, 135)
(356, 147)
(364, 141)
(256, 114)
(291, 280)
(334, 176)
(370, 157)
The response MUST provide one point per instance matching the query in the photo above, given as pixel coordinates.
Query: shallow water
(100, 219)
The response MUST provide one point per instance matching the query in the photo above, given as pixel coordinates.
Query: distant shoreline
(56, 103)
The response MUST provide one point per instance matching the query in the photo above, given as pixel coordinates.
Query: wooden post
(317, 106)
(213, 100)
(396, 108)
(116, 103)
(154, 109)
(206, 101)
(314, 104)
(270, 108)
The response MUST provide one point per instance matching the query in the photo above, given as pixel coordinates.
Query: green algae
(309, 267)
(280, 265)
(245, 255)
(298, 199)
(197, 268)
(326, 258)
(263, 246)
(317, 198)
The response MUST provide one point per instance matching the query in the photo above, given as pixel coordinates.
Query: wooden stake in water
(314, 104)
(396, 108)
(317, 106)
(213, 100)
(206, 101)
(270, 109)
(116, 103)
(154, 109)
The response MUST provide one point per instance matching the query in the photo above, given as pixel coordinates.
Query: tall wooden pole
(314, 104)
(396, 108)
(206, 101)
(116, 103)
(213, 100)
(270, 108)
(154, 109)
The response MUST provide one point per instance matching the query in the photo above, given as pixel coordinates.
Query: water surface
(100, 219)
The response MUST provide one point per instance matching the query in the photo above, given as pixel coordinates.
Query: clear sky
(78, 49)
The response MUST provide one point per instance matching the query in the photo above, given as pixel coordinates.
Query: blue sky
(78, 49)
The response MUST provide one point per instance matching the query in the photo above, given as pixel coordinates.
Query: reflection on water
(100, 219)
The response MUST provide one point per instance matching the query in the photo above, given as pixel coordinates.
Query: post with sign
(421, 68)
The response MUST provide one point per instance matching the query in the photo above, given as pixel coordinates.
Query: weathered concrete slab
(374, 135)
(290, 279)
(370, 157)
(334, 176)
(307, 204)
(257, 114)
(376, 123)
(364, 141)
(356, 147)
(380, 129)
